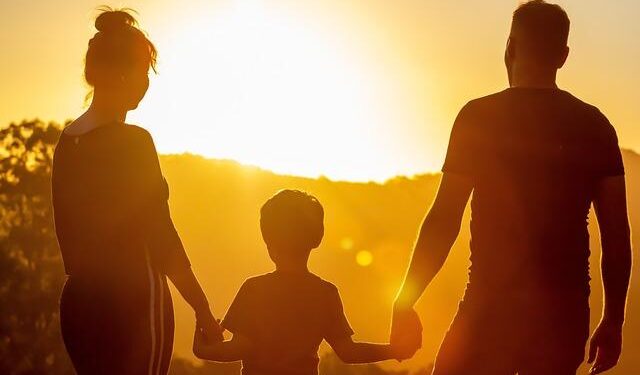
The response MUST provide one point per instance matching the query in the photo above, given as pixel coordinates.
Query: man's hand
(605, 347)
(209, 326)
(406, 332)
(401, 352)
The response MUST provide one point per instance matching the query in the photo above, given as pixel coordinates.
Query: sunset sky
(350, 89)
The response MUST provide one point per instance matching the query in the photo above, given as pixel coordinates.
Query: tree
(30, 263)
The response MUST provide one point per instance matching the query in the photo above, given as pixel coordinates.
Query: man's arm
(437, 234)
(611, 210)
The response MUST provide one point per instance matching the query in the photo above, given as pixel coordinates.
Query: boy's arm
(225, 351)
(237, 320)
(363, 352)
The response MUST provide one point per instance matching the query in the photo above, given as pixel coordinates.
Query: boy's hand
(199, 342)
(209, 326)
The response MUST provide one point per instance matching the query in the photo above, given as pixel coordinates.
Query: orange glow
(356, 90)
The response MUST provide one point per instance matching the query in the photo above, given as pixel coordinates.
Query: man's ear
(509, 55)
(510, 49)
(563, 58)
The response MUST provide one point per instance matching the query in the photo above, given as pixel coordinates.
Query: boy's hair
(292, 219)
(542, 29)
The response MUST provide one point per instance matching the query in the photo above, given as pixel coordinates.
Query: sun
(264, 87)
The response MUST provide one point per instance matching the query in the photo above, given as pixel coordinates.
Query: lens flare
(364, 258)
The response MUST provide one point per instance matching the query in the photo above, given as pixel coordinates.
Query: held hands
(406, 333)
(199, 343)
(605, 347)
(209, 327)
(202, 340)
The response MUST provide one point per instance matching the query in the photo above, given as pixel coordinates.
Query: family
(533, 159)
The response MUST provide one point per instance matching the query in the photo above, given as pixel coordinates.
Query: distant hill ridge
(215, 206)
(230, 163)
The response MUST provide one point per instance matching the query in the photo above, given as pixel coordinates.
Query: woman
(112, 220)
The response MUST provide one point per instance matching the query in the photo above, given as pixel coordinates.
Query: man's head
(292, 224)
(539, 35)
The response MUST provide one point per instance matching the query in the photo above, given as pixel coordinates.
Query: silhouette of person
(535, 158)
(279, 319)
(112, 220)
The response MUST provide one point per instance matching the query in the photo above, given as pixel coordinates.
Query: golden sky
(350, 89)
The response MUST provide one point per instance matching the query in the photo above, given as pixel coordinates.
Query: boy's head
(539, 34)
(292, 223)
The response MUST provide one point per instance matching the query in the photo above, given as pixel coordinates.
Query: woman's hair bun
(118, 46)
(110, 19)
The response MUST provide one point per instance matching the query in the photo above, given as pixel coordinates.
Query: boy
(279, 319)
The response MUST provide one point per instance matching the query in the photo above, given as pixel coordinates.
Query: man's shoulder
(496, 101)
(590, 118)
(487, 104)
(489, 99)
(581, 104)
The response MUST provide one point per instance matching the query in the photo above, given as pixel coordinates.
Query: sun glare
(364, 258)
(346, 243)
(263, 86)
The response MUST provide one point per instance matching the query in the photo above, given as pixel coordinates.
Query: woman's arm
(224, 351)
(189, 287)
(165, 247)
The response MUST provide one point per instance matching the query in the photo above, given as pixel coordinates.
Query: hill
(215, 207)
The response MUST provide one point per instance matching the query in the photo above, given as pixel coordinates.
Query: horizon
(381, 181)
(323, 177)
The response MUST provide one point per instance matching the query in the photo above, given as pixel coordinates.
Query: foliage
(181, 366)
(330, 364)
(29, 258)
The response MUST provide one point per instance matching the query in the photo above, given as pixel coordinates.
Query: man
(535, 158)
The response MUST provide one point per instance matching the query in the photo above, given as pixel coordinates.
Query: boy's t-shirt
(286, 316)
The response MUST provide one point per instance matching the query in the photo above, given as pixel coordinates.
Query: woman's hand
(207, 324)
(189, 287)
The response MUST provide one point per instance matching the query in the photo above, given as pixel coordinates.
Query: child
(278, 320)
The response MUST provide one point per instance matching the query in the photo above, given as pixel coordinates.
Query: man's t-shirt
(534, 157)
(286, 316)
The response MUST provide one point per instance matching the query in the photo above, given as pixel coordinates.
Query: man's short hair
(292, 219)
(542, 29)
